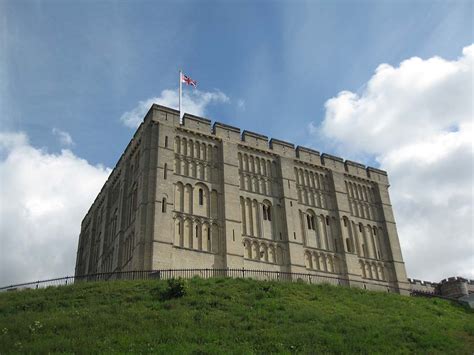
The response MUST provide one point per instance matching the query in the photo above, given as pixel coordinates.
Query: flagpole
(180, 92)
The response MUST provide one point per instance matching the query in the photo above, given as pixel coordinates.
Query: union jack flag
(187, 80)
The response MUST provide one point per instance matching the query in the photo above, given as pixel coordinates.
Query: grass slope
(229, 316)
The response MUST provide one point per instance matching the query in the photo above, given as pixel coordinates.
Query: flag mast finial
(188, 81)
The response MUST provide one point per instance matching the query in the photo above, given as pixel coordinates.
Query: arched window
(163, 205)
(266, 213)
(308, 220)
(201, 198)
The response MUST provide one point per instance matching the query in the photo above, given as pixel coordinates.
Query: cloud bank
(416, 120)
(194, 102)
(43, 198)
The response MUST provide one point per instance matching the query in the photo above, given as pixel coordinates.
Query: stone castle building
(193, 195)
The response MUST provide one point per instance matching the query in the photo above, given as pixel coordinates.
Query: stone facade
(193, 195)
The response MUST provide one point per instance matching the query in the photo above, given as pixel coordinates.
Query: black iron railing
(206, 273)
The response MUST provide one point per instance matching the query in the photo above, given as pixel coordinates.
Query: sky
(385, 83)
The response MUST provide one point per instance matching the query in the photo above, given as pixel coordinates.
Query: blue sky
(386, 83)
(79, 66)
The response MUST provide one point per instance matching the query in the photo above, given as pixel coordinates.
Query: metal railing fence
(205, 273)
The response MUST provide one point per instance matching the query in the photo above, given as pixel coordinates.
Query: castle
(192, 195)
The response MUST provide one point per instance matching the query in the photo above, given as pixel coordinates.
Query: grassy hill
(229, 316)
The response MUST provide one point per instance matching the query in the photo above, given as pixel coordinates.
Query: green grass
(229, 316)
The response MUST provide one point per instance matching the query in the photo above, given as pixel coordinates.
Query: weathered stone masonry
(193, 195)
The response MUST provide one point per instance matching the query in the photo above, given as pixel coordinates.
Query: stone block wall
(196, 195)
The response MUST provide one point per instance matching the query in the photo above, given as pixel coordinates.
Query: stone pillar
(231, 211)
(388, 221)
(350, 267)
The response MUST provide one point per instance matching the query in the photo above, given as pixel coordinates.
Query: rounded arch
(178, 231)
(185, 167)
(308, 260)
(248, 249)
(373, 268)
(264, 167)
(381, 270)
(258, 167)
(191, 148)
(300, 176)
(200, 171)
(188, 199)
(267, 217)
(201, 199)
(306, 178)
(271, 254)
(254, 184)
(255, 218)
(179, 196)
(184, 146)
(197, 234)
(188, 233)
(362, 269)
(193, 172)
(263, 252)
(255, 251)
(197, 150)
(177, 144)
(330, 263)
(206, 236)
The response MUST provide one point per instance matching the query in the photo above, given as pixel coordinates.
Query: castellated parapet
(196, 195)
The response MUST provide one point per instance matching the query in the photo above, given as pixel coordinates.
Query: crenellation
(197, 123)
(255, 139)
(380, 176)
(354, 168)
(333, 162)
(308, 155)
(282, 148)
(184, 195)
(226, 131)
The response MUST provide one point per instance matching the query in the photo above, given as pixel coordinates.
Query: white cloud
(64, 137)
(417, 121)
(194, 102)
(43, 198)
